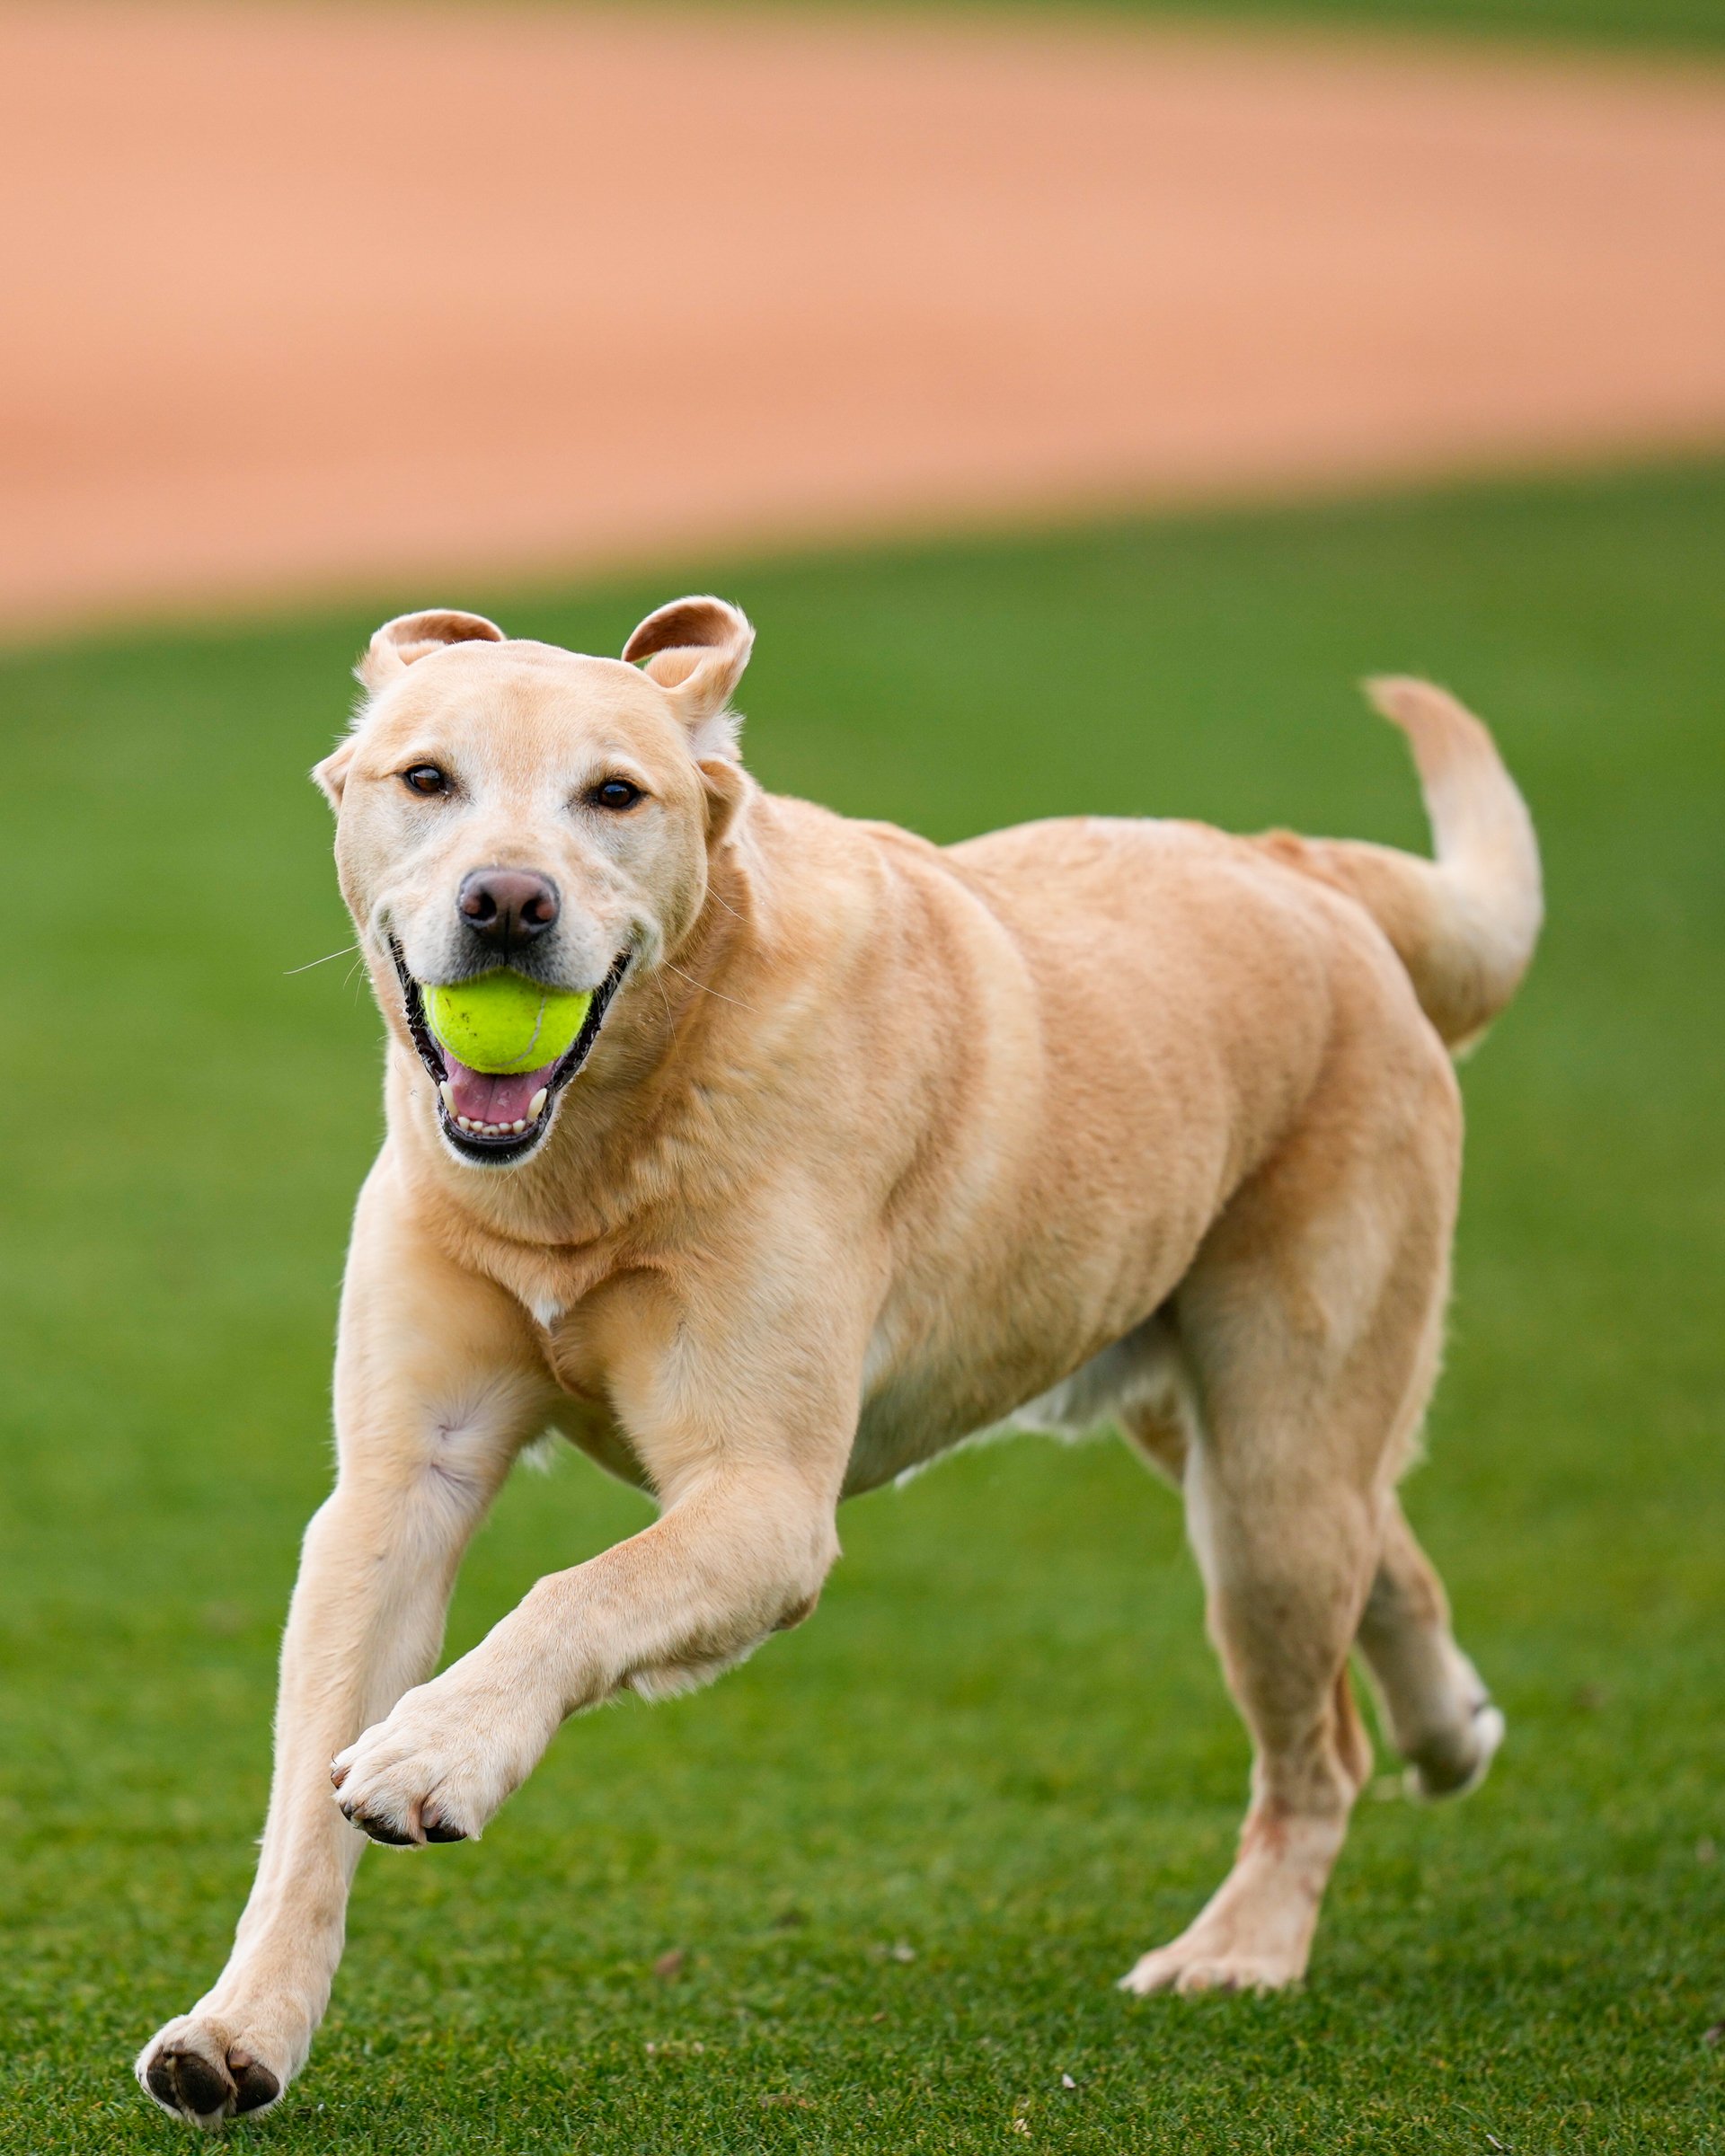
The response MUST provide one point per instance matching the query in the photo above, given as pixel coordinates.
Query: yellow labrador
(866, 1146)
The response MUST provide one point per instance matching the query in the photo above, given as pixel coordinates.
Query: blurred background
(1080, 402)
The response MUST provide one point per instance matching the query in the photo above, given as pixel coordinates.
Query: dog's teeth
(448, 1092)
(476, 1127)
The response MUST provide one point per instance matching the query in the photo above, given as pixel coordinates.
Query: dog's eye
(426, 778)
(615, 793)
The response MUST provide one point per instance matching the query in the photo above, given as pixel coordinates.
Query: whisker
(701, 985)
(717, 900)
(325, 960)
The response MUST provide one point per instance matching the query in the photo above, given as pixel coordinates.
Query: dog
(865, 1146)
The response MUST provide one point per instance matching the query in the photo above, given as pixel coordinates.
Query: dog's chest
(552, 1287)
(564, 1341)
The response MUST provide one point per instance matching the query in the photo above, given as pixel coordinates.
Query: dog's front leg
(747, 1439)
(437, 1384)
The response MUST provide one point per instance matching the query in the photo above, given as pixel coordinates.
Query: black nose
(507, 906)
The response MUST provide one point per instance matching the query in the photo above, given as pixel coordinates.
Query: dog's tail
(1464, 925)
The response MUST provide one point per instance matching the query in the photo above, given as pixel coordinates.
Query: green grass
(1696, 25)
(905, 1851)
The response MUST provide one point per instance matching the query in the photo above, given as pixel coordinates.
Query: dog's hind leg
(1308, 1325)
(1436, 1708)
(1439, 1715)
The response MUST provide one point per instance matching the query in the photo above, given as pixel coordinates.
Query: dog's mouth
(496, 1119)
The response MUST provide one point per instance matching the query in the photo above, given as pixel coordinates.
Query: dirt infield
(296, 298)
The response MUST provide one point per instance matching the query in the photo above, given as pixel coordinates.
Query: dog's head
(503, 803)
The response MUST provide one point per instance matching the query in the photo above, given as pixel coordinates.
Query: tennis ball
(502, 1024)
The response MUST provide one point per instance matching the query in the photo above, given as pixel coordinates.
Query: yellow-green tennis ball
(502, 1024)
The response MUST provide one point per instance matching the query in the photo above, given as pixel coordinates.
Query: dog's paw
(437, 1767)
(207, 2071)
(1454, 1767)
(1186, 1965)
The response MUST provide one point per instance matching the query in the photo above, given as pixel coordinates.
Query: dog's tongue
(484, 1099)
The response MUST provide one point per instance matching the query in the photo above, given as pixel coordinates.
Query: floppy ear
(331, 774)
(411, 636)
(696, 650)
(388, 656)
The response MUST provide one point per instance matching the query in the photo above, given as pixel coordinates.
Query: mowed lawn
(1696, 25)
(906, 1852)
